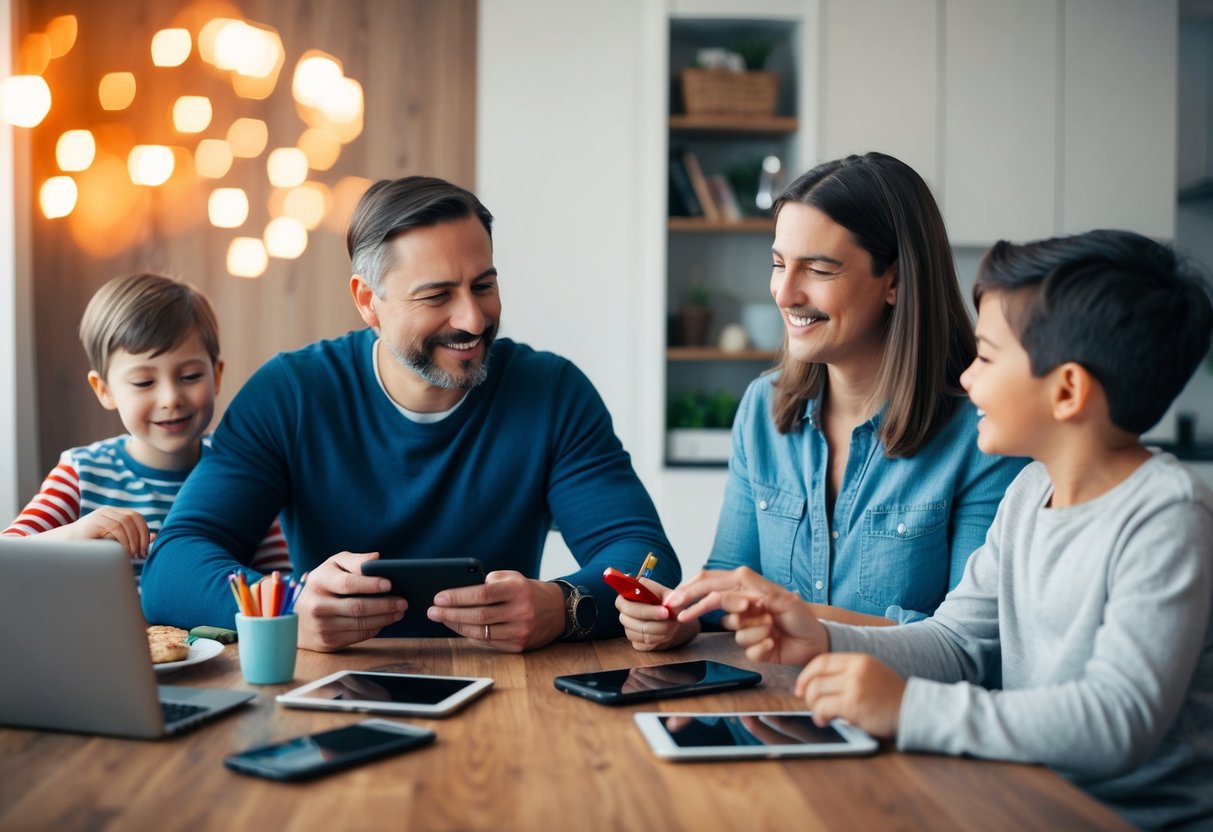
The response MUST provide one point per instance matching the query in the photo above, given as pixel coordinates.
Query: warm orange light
(227, 207)
(57, 197)
(192, 113)
(308, 203)
(247, 137)
(213, 158)
(170, 47)
(24, 100)
(321, 147)
(342, 101)
(345, 197)
(287, 167)
(150, 164)
(116, 91)
(285, 238)
(315, 74)
(208, 35)
(246, 257)
(75, 150)
(34, 55)
(62, 34)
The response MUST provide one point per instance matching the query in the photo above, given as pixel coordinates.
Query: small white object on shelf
(733, 338)
(699, 444)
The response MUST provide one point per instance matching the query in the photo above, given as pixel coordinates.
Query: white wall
(18, 431)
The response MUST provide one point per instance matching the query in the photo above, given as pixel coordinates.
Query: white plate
(201, 650)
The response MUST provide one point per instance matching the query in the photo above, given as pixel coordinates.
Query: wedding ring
(487, 635)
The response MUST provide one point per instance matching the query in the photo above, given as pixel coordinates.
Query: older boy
(1080, 635)
(153, 346)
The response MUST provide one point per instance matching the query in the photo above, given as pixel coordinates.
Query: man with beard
(421, 436)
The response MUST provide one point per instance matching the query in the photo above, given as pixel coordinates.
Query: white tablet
(387, 693)
(739, 736)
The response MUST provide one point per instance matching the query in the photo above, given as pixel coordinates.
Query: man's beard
(421, 359)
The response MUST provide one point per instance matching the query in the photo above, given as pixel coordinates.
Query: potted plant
(700, 427)
(695, 316)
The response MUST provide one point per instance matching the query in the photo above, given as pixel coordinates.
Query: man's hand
(770, 622)
(508, 612)
(125, 525)
(860, 689)
(333, 609)
(654, 626)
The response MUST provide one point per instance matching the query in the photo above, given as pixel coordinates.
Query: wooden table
(525, 756)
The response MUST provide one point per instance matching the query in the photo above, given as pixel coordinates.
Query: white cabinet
(1027, 119)
(1119, 127)
(879, 81)
(999, 141)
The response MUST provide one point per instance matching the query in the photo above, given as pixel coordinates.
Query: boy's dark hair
(391, 206)
(145, 313)
(1131, 311)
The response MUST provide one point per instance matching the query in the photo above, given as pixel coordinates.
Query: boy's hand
(124, 525)
(653, 626)
(771, 623)
(333, 609)
(860, 689)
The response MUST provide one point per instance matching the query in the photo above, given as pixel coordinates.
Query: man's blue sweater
(312, 435)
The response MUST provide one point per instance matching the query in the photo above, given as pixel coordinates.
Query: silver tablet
(757, 734)
(387, 693)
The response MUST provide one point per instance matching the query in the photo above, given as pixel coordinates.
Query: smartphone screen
(639, 684)
(309, 756)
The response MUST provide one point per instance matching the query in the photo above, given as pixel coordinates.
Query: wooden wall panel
(416, 61)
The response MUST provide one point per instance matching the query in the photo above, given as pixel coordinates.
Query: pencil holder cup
(267, 648)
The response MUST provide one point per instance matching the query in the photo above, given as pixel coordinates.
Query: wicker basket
(722, 91)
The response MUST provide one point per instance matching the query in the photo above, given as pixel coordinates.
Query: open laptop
(73, 646)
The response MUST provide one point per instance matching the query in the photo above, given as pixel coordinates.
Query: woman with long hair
(855, 477)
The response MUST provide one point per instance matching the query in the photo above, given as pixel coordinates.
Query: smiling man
(420, 436)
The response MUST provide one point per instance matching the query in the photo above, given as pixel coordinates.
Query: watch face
(586, 612)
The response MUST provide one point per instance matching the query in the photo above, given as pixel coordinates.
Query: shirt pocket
(780, 513)
(905, 557)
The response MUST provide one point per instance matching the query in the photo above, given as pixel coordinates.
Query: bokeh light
(75, 150)
(287, 167)
(34, 55)
(285, 238)
(322, 147)
(116, 90)
(213, 158)
(150, 164)
(246, 257)
(57, 197)
(192, 113)
(170, 47)
(24, 100)
(227, 207)
(61, 32)
(308, 203)
(247, 137)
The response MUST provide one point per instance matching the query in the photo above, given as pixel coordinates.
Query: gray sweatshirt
(1078, 637)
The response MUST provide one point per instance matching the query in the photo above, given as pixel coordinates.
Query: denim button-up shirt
(901, 531)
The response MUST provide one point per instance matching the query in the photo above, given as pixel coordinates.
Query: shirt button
(901, 528)
(834, 534)
(762, 504)
(819, 584)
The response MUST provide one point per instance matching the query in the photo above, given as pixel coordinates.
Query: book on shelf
(700, 183)
(725, 199)
(683, 202)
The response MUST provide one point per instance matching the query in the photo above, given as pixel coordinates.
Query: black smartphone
(419, 580)
(662, 681)
(303, 758)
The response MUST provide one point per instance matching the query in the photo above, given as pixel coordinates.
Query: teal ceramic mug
(267, 648)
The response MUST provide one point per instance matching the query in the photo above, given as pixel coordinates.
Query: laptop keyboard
(176, 711)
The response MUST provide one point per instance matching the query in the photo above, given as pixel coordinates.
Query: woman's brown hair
(928, 338)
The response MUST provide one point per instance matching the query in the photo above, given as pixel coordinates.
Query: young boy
(1080, 635)
(153, 345)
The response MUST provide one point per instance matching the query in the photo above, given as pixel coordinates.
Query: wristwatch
(580, 611)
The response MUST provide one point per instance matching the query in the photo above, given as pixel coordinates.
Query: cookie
(167, 644)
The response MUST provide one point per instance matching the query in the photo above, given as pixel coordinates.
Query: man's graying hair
(391, 206)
